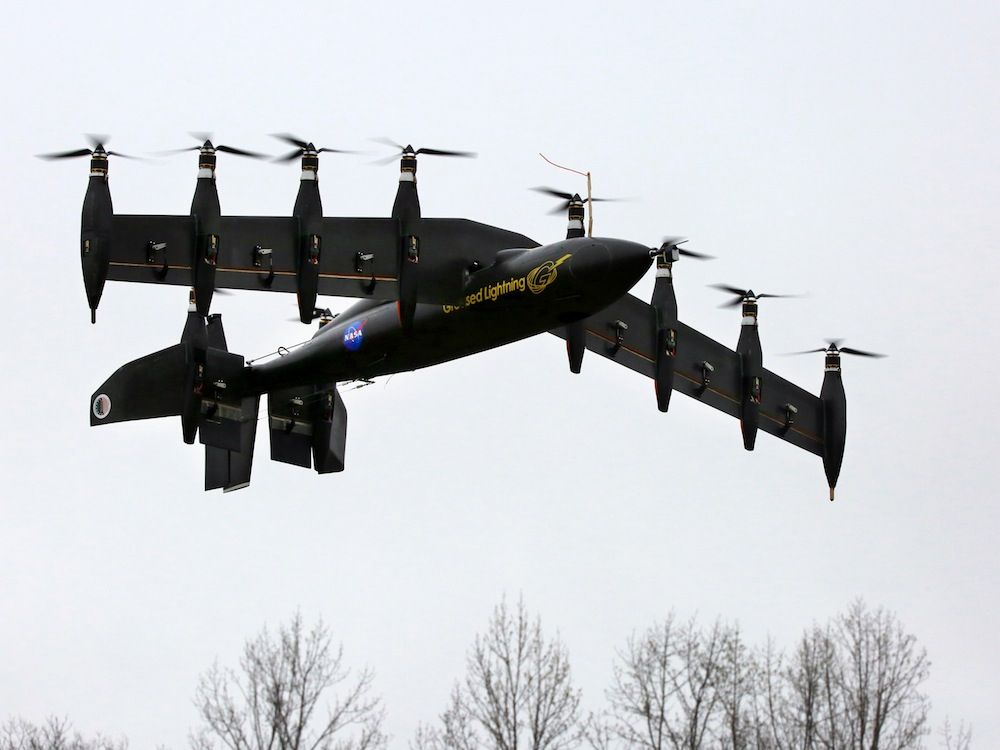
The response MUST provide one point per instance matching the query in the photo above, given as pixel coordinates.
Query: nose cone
(590, 264)
(629, 262)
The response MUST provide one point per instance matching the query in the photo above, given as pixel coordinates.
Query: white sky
(851, 153)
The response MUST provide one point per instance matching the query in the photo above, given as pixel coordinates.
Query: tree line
(853, 683)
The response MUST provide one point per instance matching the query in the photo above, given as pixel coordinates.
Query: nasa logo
(354, 335)
(102, 406)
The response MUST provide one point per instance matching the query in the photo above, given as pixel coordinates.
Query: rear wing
(359, 256)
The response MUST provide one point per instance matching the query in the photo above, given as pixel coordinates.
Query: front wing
(693, 349)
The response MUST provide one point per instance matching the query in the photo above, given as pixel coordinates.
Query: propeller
(404, 150)
(742, 295)
(674, 243)
(301, 147)
(96, 147)
(834, 347)
(568, 198)
(206, 139)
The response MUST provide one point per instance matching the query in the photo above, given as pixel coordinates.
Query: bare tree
(673, 689)
(53, 734)
(956, 739)
(735, 687)
(796, 699)
(275, 700)
(851, 685)
(880, 673)
(517, 691)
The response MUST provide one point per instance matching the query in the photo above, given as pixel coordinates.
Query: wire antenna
(590, 203)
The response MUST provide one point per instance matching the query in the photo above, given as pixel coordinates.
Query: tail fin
(308, 427)
(200, 381)
(230, 469)
(152, 386)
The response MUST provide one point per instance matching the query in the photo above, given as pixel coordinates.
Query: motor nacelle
(95, 231)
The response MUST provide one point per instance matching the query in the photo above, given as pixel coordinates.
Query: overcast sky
(850, 153)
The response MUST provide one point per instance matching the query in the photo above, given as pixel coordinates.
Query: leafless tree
(735, 687)
(53, 734)
(675, 686)
(851, 685)
(275, 700)
(517, 691)
(797, 702)
(880, 673)
(959, 738)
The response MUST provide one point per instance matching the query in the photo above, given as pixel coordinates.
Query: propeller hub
(99, 161)
(832, 359)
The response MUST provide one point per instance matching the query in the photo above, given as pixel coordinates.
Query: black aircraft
(430, 291)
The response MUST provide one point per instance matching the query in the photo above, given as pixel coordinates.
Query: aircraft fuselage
(524, 293)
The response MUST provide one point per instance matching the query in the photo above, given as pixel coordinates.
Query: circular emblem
(102, 406)
(541, 277)
(354, 335)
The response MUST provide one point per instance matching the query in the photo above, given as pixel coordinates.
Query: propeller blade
(386, 160)
(439, 152)
(200, 136)
(553, 192)
(173, 151)
(861, 353)
(290, 139)
(386, 142)
(240, 152)
(735, 302)
(693, 254)
(779, 296)
(834, 342)
(807, 351)
(336, 151)
(97, 139)
(120, 155)
(66, 154)
(561, 209)
(290, 156)
(673, 241)
(730, 289)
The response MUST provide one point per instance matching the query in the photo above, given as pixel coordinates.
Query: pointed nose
(608, 264)
(590, 263)
(629, 261)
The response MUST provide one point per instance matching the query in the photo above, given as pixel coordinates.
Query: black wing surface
(360, 256)
(694, 348)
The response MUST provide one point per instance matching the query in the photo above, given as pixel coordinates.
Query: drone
(428, 291)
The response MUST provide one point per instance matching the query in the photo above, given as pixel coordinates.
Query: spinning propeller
(569, 198)
(303, 148)
(671, 248)
(96, 149)
(746, 295)
(410, 151)
(206, 139)
(834, 347)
